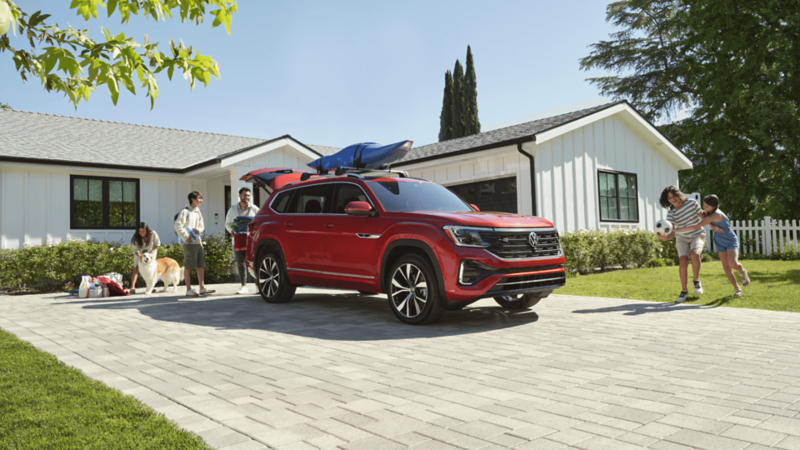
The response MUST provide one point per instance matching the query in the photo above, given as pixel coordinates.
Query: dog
(164, 269)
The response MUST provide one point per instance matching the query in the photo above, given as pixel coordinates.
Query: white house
(64, 177)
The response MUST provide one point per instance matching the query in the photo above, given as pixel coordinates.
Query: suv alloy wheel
(413, 291)
(273, 283)
(521, 301)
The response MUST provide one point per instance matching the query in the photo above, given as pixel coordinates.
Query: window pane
(603, 208)
(129, 192)
(95, 216)
(95, 190)
(115, 214)
(632, 186)
(312, 199)
(612, 208)
(623, 186)
(612, 186)
(604, 185)
(623, 209)
(115, 191)
(129, 214)
(632, 205)
(80, 188)
(81, 214)
(346, 193)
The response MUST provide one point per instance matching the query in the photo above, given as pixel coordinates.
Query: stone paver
(335, 370)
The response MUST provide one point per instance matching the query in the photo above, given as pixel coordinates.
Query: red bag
(239, 242)
(115, 289)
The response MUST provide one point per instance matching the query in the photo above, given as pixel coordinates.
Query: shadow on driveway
(341, 316)
(635, 309)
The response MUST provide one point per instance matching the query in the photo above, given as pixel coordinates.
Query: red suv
(419, 243)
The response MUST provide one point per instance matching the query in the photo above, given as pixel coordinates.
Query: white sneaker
(243, 290)
(192, 293)
(737, 293)
(745, 278)
(207, 291)
(682, 297)
(698, 288)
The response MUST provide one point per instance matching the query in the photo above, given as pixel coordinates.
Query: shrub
(51, 267)
(656, 262)
(705, 257)
(587, 250)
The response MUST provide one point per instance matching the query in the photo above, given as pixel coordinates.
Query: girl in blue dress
(725, 241)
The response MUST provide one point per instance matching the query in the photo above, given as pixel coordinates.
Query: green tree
(445, 118)
(70, 62)
(4, 105)
(472, 125)
(457, 108)
(732, 66)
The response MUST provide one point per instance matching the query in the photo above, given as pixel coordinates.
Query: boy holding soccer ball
(685, 212)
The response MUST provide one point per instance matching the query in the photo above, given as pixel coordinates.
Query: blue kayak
(366, 155)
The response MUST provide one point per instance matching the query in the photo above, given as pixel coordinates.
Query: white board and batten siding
(567, 175)
(35, 204)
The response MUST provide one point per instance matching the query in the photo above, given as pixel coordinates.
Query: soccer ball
(664, 227)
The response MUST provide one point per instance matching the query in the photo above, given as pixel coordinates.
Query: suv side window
(312, 200)
(281, 202)
(346, 193)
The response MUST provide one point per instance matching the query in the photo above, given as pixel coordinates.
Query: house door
(227, 198)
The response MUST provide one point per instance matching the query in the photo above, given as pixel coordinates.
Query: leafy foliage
(4, 105)
(49, 267)
(70, 62)
(457, 107)
(586, 251)
(459, 115)
(472, 125)
(733, 67)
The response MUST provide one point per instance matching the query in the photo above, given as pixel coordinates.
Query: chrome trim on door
(368, 236)
(333, 273)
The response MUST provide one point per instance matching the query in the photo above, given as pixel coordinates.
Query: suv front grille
(531, 281)
(514, 244)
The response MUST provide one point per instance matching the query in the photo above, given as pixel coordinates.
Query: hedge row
(59, 267)
(586, 251)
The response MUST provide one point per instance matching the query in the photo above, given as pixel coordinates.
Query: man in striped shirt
(682, 213)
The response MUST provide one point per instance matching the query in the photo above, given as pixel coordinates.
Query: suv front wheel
(521, 301)
(413, 291)
(272, 281)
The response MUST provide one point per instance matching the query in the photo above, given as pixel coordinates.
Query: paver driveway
(336, 370)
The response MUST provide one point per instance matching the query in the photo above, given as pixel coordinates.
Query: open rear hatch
(271, 179)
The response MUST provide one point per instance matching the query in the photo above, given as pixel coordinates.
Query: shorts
(723, 245)
(194, 257)
(686, 245)
(136, 258)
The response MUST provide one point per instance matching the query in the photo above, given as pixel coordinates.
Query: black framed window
(103, 203)
(618, 195)
(499, 195)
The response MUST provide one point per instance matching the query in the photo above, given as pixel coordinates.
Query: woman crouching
(144, 240)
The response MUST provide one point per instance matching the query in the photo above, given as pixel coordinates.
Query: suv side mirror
(475, 206)
(362, 209)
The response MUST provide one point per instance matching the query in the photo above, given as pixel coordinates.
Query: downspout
(533, 178)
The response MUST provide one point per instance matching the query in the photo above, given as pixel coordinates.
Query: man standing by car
(242, 208)
(189, 227)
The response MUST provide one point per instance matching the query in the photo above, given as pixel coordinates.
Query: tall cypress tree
(472, 125)
(458, 101)
(446, 117)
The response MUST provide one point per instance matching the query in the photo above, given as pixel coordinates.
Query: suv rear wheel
(272, 281)
(521, 301)
(413, 291)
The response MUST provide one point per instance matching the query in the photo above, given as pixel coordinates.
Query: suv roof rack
(360, 171)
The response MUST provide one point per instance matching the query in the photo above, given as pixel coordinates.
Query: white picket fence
(765, 236)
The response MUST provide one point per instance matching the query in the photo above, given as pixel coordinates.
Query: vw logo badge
(533, 239)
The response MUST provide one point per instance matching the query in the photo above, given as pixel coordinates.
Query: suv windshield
(398, 196)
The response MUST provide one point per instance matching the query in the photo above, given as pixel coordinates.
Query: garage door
(499, 194)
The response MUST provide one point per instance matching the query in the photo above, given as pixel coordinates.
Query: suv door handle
(288, 224)
(329, 225)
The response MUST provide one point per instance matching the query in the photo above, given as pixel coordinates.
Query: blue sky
(337, 73)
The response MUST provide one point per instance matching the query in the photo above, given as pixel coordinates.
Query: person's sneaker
(192, 293)
(243, 290)
(745, 278)
(206, 291)
(737, 293)
(698, 288)
(682, 298)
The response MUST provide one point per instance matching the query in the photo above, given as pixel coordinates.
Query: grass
(46, 404)
(775, 285)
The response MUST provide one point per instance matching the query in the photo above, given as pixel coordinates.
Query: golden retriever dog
(164, 269)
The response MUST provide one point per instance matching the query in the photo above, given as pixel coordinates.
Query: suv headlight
(466, 236)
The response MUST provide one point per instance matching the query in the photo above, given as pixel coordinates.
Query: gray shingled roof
(496, 138)
(69, 139)
(324, 150)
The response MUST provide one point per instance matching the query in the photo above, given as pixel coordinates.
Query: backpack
(175, 219)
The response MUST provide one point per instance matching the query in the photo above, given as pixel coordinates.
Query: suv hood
(489, 219)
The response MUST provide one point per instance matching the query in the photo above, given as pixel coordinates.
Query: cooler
(239, 242)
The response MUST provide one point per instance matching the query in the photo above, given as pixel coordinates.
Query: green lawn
(775, 285)
(45, 404)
